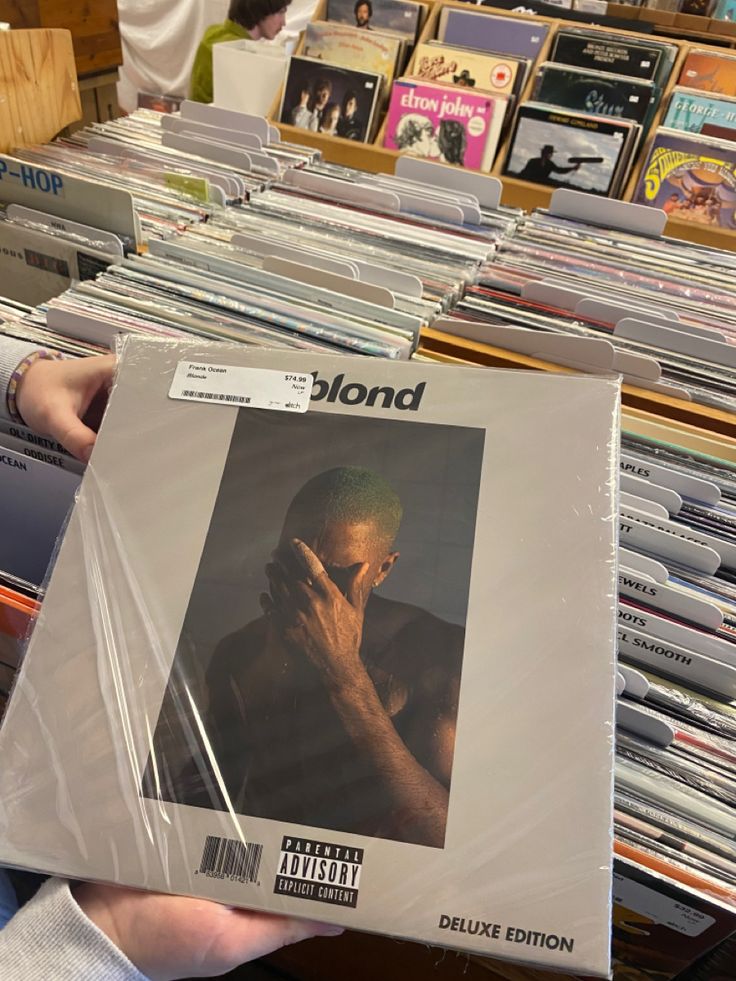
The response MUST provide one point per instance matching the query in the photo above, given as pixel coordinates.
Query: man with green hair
(337, 707)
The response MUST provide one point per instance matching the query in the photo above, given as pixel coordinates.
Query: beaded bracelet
(12, 394)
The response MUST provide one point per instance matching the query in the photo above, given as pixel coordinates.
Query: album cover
(689, 111)
(469, 69)
(710, 71)
(324, 98)
(397, 16)
(294, 679)
(562, 149)
(595, 92)
(486, 32)
(617, 55)
(690, 178)
(349, 47)
(725, 10)
(447, 123)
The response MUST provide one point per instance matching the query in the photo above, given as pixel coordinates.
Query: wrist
(19, 377)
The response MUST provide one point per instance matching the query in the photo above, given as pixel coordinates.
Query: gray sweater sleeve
(50, 937)
(12, 352)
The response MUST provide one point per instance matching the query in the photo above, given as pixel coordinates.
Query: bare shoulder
(239, 653)
(427, 650)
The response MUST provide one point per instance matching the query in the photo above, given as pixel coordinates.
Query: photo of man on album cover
(317, 677)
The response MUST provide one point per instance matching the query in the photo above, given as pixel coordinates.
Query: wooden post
(39, 94)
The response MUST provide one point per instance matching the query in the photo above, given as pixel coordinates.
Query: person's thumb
(72, 433)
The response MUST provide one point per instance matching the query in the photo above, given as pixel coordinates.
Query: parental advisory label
(319, 870)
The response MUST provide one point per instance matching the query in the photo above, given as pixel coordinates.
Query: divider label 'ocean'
(319, 870)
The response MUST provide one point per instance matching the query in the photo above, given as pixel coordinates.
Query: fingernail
(330, 931)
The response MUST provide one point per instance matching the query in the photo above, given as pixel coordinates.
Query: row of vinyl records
(305, 257)
(554, 105)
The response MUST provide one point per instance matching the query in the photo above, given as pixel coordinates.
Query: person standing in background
(247, 19)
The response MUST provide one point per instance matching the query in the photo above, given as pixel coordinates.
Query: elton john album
(334, 637)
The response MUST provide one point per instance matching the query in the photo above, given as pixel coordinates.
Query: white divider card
(485, 188)
(366, 272)
(670, 500)
(236, 279)
(662, 597)
(644, 576)
(96, 238)
(330, 281)
(227, 186)
(673, 338)
(725, 550)
(607, 212)
(644, 564)
(228, 156)
(664, 389)
(620, 683)
(697, 670)
(637, 685)
(633, 719)
(83, 201)
(274, 136)
(83, 327)
(552, 294)
(467, 203)
(638, 367)
(28, 436)
(686, 486)
(687, 637)
(200, 112)
(302, 254)
(639, 534)
(329, 187)
(641, 504)
(390, 279)
(175, 124)
(427, 207)
(259, 161)
(614, 308)
(674, 323)
(239, 386)
(41, 453)
(584, 353)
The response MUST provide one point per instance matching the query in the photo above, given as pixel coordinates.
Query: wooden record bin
(93, 26)
(516, 193)
(39, 93)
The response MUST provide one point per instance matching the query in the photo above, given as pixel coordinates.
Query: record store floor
(363, 957)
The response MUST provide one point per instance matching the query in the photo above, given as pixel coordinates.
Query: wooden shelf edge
(704, 417)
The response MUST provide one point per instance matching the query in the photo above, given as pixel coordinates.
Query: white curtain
(160, 39)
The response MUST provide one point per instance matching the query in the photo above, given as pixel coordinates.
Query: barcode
(239, 399)
(228, 858)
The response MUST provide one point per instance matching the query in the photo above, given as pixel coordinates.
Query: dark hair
(319, 83)
(363, 3)
(452, 141)
(350, 94)
(248, 13)
(351, 495)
